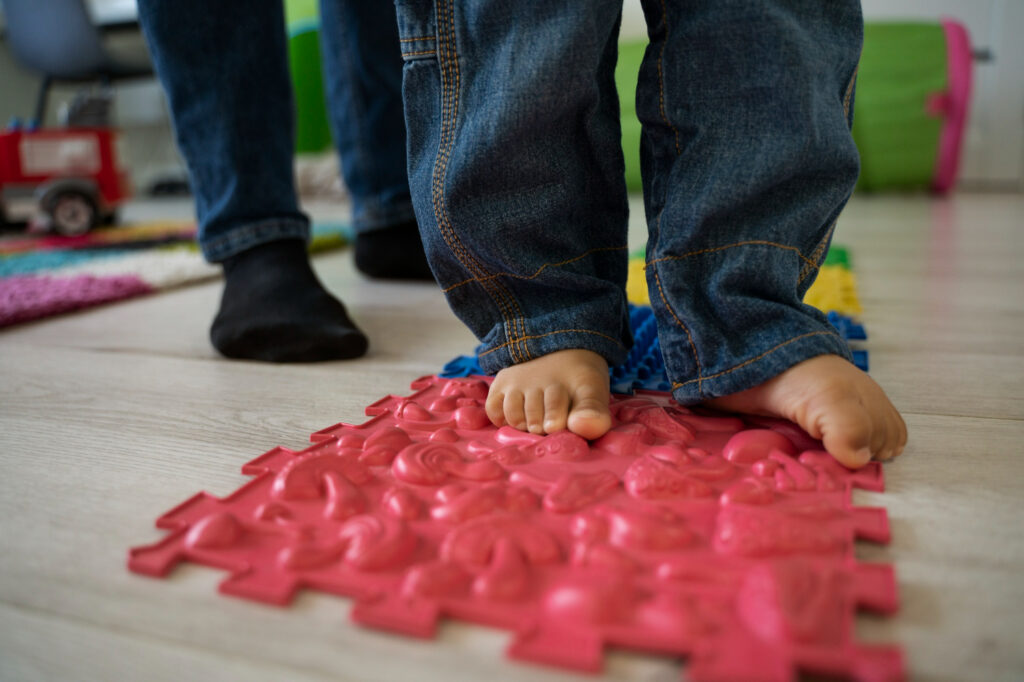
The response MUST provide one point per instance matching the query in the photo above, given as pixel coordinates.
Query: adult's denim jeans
(516, 173)
(224, 67)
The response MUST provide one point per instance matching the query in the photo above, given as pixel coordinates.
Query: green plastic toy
(913, 89)
(312, 131)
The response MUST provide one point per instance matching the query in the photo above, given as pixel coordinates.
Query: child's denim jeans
(516, 173)
(224, 66)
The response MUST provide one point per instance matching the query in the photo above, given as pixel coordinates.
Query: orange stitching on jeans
(413, 54)
(450, 66)
(413, 40)
(750, 361)
(819, 252)
(849, 92)
(507, 297)
(560, 331)
(441, 162)
(693, 346)
(661, 78)
(519, 322)
(752, 242)
(539, 270)
(449, 113)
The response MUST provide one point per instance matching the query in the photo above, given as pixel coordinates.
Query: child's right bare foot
(832, 400)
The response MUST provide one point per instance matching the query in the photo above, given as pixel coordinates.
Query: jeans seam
(419, 53)
(552, 333)
(819, 251)
(849, 92)
(416, 39)
(675, 134)
(447, 140)
(686, 330)
(503, 293)
(817, 256)
(539, 270)
(449, 64)
(750, 361)
(661, 78)
(506, 295)
(750, 242)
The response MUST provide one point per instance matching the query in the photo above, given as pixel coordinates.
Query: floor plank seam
(157, 639)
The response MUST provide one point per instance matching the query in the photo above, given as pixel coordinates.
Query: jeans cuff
(760, 367)
(246, 236)
(496, 358)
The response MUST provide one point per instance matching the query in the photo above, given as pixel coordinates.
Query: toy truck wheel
(73, 213)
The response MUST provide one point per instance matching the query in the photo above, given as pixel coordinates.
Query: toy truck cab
(70, 175)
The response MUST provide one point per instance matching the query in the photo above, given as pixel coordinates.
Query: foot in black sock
(392, 253)
(275, 309)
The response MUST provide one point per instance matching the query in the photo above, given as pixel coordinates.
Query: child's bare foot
(565, 389)
(832, 400)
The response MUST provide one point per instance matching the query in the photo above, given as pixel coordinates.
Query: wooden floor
(112, 416)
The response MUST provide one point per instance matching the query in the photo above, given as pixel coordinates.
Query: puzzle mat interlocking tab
(726, 540)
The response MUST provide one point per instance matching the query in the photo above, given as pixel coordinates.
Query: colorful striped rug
(42, 276)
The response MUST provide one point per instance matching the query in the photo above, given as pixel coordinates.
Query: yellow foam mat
(834, 289)
(636, 284)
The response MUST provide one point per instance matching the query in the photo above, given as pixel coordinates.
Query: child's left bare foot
(565, 389)
(832, 400)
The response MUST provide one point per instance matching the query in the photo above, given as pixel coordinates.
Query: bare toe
(495, 405)
(514, 408)
(556, 408)
(534, 410)
(589, 417)
(847, 433)
(901, 434)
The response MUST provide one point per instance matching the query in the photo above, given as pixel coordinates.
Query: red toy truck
(71, 174)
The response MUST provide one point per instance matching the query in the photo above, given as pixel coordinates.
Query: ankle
(394, 252)
(274, 253)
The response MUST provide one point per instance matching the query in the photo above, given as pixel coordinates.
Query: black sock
(392, 253)
(274, 309)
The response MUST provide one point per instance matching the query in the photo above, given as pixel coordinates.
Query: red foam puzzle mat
(726, 540)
